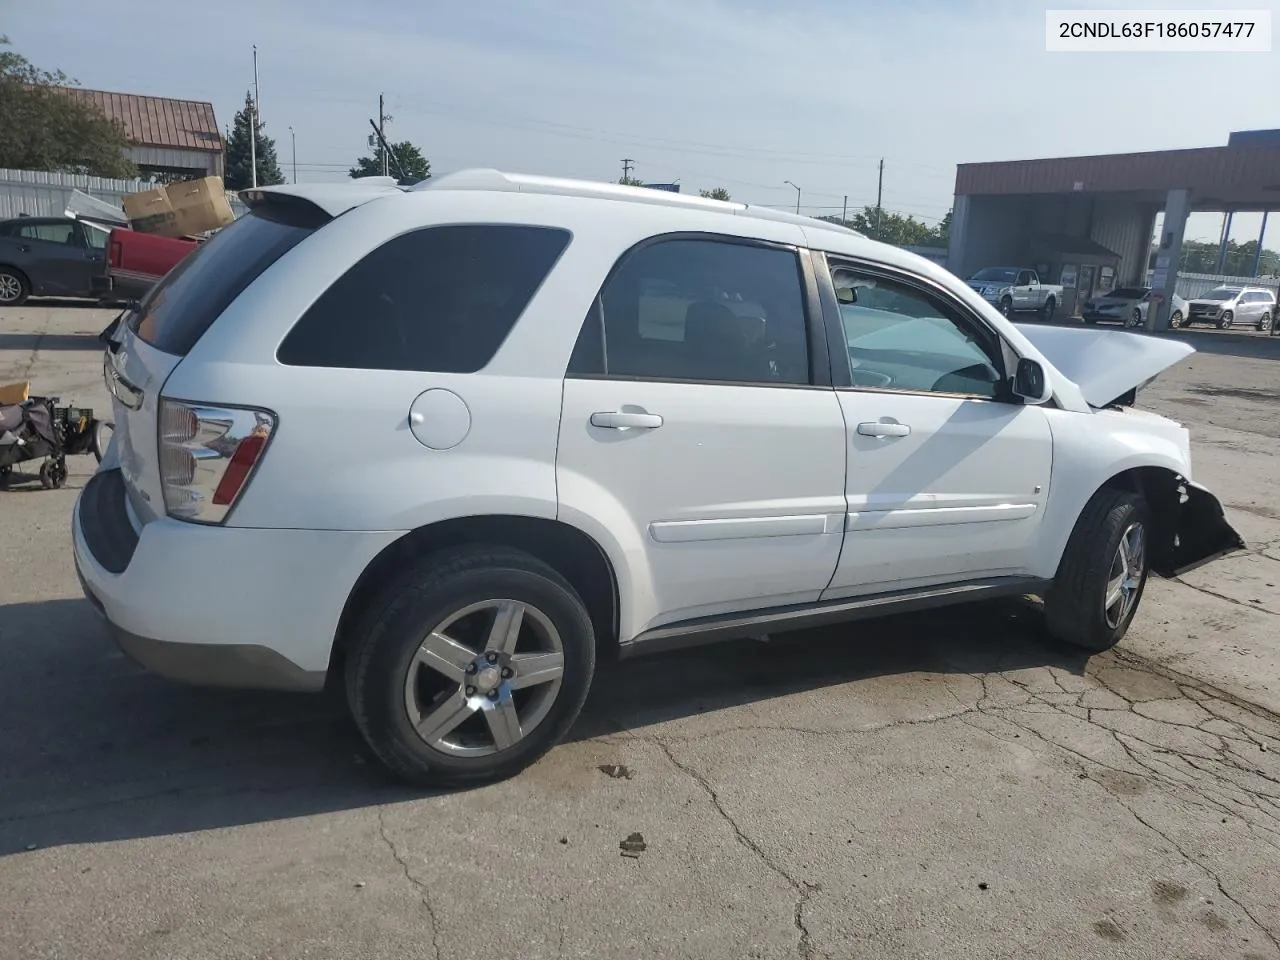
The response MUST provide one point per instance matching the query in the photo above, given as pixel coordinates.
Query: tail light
(207, 455)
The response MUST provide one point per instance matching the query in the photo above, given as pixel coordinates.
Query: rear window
(437, 300)
(182, 306)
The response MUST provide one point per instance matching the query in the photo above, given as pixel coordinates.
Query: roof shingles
(158, 121)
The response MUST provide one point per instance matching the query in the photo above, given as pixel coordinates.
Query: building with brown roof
(174, 138)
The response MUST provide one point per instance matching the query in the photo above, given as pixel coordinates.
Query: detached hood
(1105, 364)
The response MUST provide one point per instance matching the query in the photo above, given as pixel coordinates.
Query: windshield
(1220, 293)
(1000, 274)
(1128, 293)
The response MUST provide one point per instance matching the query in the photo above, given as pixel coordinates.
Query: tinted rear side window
(179, 309)
(437, 300)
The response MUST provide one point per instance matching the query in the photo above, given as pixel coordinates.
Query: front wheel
(53, 474)
(1135, 319)
(1102, 573)
(1264, 323)
(1225, 320)
(470, 667)
(1006, 307)
(1175, 320)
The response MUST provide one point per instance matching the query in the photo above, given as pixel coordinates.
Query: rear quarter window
(181, 307)
(436, 300)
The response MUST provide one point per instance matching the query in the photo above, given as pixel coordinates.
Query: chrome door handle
(620, 420)
(884, 429)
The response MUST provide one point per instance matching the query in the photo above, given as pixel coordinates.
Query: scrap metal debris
(615, 770)
(633, 846)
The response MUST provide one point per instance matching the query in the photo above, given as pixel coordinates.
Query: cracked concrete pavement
(944, 784)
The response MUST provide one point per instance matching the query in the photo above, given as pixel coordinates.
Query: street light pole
(293, 139)
(797, 189)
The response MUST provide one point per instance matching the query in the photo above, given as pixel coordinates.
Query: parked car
(1225, 306)
(1129, 306)
(1016, 290)
(137, 261)
(50, 257)
(579, 420)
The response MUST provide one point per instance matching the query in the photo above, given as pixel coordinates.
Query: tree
(42, 127)
(239, 175)
(630, 182)
(717, 193)
(416, 167)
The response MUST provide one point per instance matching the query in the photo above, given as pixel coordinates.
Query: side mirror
(1029, 382)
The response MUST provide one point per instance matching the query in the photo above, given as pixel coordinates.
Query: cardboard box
(15, 392)
(180, 209)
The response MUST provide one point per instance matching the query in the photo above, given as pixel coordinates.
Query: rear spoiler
(319, 202)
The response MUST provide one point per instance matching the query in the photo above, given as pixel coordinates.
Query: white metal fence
(40, 194)
(1193, 284)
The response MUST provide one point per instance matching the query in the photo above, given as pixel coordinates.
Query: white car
(447, 445)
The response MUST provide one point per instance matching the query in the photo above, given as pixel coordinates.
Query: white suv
(448, 445)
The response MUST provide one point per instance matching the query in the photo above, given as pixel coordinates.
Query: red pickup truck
(136, 261)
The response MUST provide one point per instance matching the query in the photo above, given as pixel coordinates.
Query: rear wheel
(1049, 307)
(14, 288)
(471, 667)
(1225, 320)
(6, 474)
(1102, 573)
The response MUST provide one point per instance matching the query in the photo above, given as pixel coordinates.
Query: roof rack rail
(488, 179)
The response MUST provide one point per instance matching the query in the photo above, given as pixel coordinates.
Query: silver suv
(1224, 306)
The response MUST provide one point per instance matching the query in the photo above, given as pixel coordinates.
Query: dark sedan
(50, 257)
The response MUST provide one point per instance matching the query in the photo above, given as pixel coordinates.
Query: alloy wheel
(484, 678)
(10, 288)
(1125, 579)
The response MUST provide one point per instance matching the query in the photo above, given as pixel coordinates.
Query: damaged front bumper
(1200, 535)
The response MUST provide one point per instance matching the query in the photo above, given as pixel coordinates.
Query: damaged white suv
(448, 445)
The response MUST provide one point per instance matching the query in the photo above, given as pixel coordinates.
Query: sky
(744, 94)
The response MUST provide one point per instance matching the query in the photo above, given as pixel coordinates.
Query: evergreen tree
(239, 174)
(719, 193)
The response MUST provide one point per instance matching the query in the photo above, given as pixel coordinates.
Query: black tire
(1175, 319)
(1225, 320)
(14, 287)
(1135, 319)
(1006, 307)
(6, 475)
(394, 625)
(53, 474)
(1264, 323)
(102, 430)
(1075, 608)
(1046, 312)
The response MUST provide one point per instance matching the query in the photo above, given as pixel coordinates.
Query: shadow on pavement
(26, 342)
(97, 750)
(1256, 346)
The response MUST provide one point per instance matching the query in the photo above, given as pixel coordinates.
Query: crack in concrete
(1222, 596)
(423, 892)
(803, 890)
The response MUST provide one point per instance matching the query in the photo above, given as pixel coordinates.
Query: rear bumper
(217, 606)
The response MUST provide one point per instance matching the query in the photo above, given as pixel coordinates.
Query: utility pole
(844, 211)
(879, 195)
(293, 139)
(627, 165)
(253, 124)
(382, 136)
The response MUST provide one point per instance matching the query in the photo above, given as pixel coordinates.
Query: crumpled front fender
(1201, 534)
